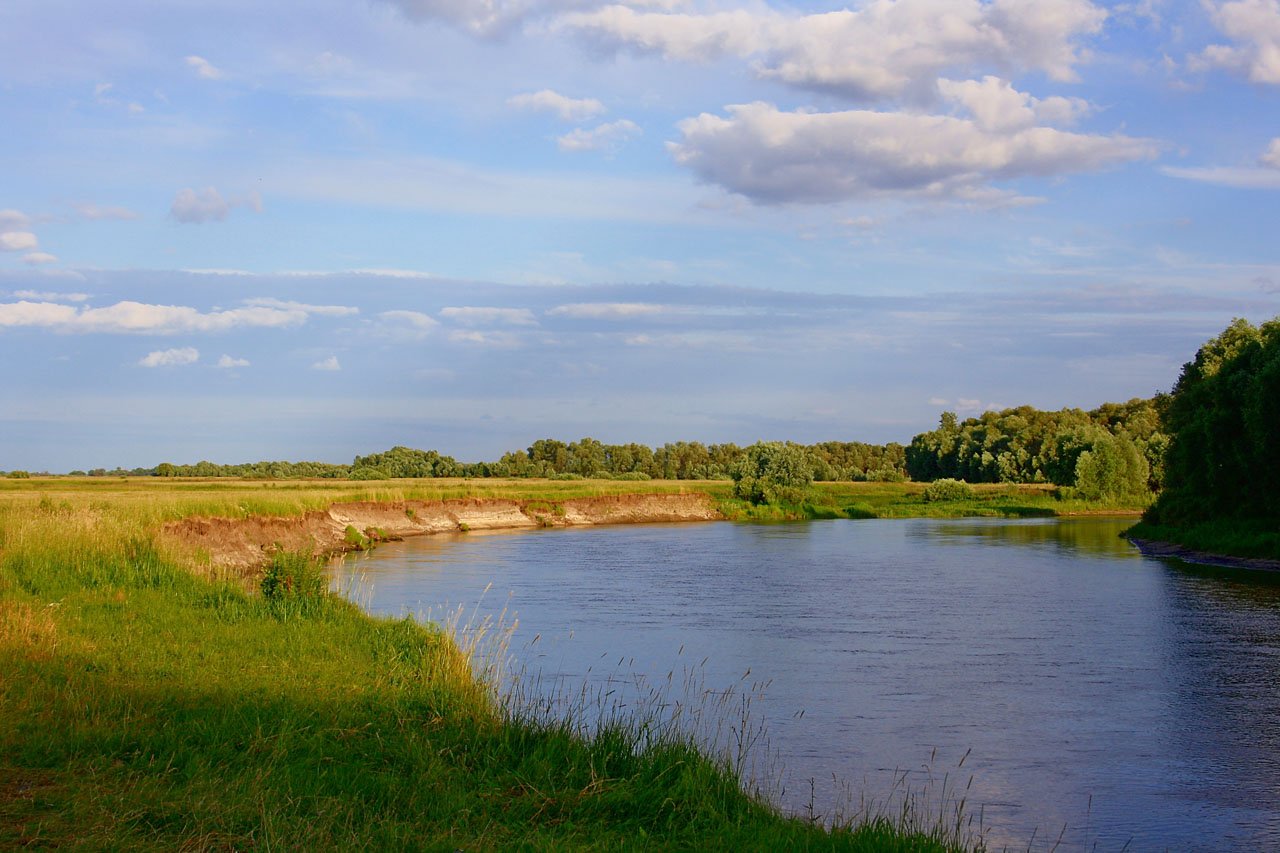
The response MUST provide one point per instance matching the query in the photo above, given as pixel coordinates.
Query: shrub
(948, 489)
(771, 472)
(633, 475)
(19, 475)
(293, 575)
(354, 538)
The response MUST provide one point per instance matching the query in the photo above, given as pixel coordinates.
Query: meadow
(147, 703)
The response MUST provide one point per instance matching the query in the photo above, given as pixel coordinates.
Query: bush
(948, 489)
(771, 472)
(633, 475)
(19, 475)
(293, 575)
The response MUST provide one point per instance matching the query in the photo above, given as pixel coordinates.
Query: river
(1066, 686)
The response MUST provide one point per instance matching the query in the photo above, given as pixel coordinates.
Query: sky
(239, 230)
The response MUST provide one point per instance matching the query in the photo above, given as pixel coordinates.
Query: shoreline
(1157, 548)
(244, 545)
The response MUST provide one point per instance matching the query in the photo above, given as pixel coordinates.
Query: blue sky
(238, 230)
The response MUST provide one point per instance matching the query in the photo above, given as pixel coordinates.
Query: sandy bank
(246, 544)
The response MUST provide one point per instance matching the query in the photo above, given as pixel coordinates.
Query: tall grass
(145, 707)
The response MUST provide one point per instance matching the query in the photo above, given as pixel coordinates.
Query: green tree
(771, 472)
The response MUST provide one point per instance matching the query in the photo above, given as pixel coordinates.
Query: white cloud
(17, 241)
(417, 319)
(227, 362)
(13, 220)
(547, 100)
(170, 357)
(330, 363)
(996, 106)
(38, 258)
(207, 205)
(485, 316)
(601, 136)
(140, 318)
(47, 296)
(1254, 28)
(608, 310)
(772, 156)
(479, 17)
(886, 49)
(284, 305)
(1264, 178)
(1271, 157)
(496, 340)
(203, 68)
(88, 210)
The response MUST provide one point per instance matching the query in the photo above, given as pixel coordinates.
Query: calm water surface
(1127, 699)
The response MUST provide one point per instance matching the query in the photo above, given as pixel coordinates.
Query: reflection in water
(1125, 698)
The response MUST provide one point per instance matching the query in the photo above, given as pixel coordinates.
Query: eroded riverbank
(245, 544)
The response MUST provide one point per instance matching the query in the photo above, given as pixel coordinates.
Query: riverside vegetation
(1222, 489)
(148, 704)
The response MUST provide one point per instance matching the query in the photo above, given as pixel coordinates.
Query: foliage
(772, 473)
(1112, 468)
(948, 489)
(293, 576)
(19, 475)
(1223, 421)
(1027, 445)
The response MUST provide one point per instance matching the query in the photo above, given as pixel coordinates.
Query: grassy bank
(907, 500)
(144, 706)
(1229, 537)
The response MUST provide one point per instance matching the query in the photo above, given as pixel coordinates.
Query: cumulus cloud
(608, 310)
(547, 100)
(17, 241)
(170, 357)
(330, 363)
(603, 136)
(203, 68)
(208, 205)
(485, 316)
(141, 318)
(1254, 29)
(416, 319)
(774, 157)
(996, 106)
(284, 305)
(39, 258)
(885, 49)
(13, 220)
(227, 362)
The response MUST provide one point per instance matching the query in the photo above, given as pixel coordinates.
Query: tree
(771, 472)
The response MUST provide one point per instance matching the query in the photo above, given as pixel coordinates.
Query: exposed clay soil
(246, 544)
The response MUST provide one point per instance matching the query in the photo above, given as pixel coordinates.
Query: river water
(1066, 686)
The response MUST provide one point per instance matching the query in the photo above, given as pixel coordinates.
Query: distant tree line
(1223, 421)
(551, 458)
(1116, 450)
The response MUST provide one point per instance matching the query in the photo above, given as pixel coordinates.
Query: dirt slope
(246, 544)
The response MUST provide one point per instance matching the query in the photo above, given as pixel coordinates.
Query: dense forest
(1115, 450)
(1223, 419)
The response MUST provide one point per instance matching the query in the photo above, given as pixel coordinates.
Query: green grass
(143, 706)
(907, 500)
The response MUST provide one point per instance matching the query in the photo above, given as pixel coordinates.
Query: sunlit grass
(143, 706)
